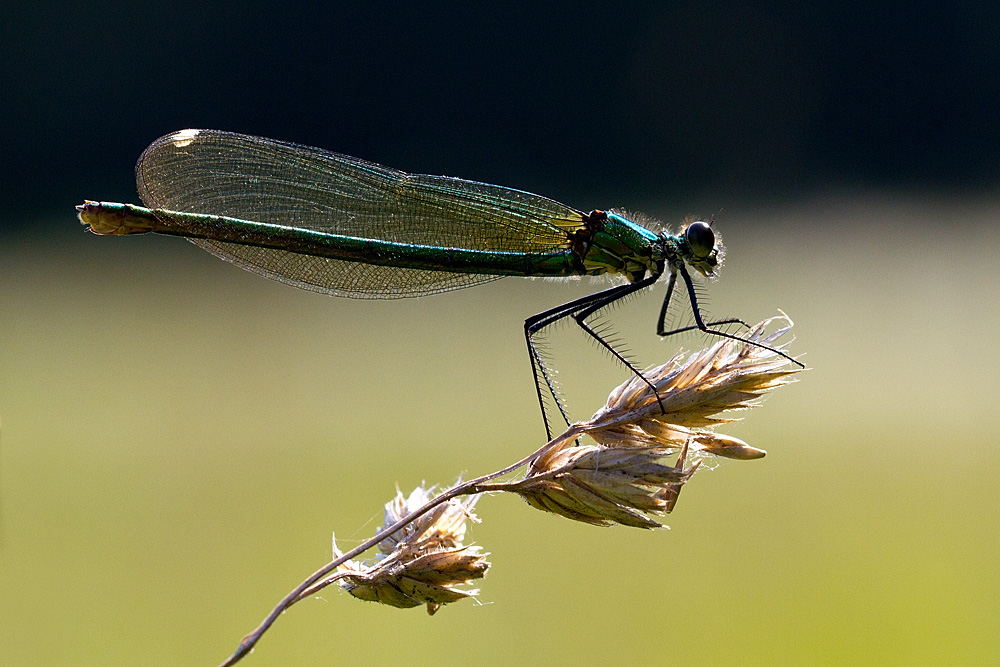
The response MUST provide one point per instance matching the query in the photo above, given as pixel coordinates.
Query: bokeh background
(180, 438)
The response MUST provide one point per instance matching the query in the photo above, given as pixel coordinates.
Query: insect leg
(701, 325)
(661, 323)
(607, 298)
(536, 323)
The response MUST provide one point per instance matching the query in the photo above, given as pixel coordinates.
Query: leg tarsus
(693, 327)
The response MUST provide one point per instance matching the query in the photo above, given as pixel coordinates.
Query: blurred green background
(180, 438)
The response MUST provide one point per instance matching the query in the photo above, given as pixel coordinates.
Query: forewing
(262, 180)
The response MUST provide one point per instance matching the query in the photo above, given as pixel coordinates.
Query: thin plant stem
(310, 585)
(317, 587)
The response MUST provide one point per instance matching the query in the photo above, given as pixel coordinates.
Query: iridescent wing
(262, 180)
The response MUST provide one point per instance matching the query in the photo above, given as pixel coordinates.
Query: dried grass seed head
(443, 526)
(423, 562)
(623, 478)
(729, 375)
(603, 485)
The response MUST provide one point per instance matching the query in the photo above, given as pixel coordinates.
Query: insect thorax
(611, 243)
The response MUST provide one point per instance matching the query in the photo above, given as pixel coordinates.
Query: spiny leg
(662, 321)
(700, 324)
(540, 373)
(536, 323)
(608, 298)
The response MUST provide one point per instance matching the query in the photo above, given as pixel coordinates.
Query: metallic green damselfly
(340, 225)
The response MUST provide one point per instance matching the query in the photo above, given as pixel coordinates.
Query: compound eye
(700, 239)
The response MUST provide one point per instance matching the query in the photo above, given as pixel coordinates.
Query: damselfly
(340, 225)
